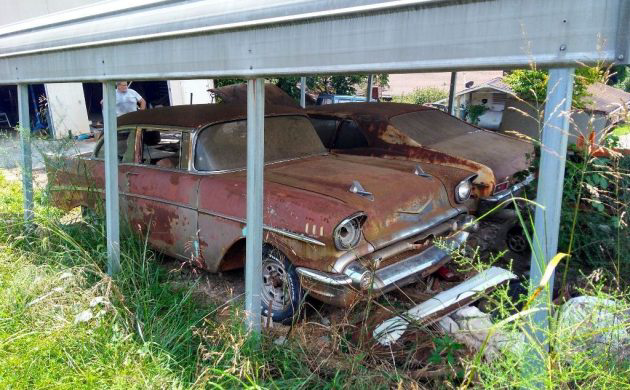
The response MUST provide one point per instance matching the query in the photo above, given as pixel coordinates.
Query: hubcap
(516, 242)
(275, 287)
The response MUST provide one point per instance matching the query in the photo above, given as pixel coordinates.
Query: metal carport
(166, 39)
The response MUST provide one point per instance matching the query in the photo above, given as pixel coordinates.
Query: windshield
(431, 126)
(224, 146)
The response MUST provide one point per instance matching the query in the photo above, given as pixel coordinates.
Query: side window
(350, 136)
(326, 129)
(162, 148)
(126, 143)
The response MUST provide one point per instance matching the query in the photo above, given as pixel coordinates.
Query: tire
(280, 286)
(516, 240)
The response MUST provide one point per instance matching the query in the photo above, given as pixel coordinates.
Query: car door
(162, 193)
(94, 175)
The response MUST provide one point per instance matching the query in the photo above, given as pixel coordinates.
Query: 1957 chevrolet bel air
(334, 225)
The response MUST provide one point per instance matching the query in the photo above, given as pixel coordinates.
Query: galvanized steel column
(451, 94)
(549, 198)
(112, 217)
(368, 95)
(27, 164)
(255, 172)
(303, 92)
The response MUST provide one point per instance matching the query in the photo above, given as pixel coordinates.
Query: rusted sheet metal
(494, 157)
(74, 182)
(399, 199)
(201, 215)
(449, 176)
(376, 111)
(163, 204)
(197, 115)
(237, 94)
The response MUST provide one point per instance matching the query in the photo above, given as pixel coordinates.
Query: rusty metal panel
(163, 203)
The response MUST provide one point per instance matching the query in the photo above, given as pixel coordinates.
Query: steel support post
(368, 95)
(549, 198)
(27, 164)
(112, 216)
(303, 92)
(451, 94)
(255, 172)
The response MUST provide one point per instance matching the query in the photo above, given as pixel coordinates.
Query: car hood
(399, 202)
(503, 154)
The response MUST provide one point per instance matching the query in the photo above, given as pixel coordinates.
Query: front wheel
(516, 240)
(281, 290)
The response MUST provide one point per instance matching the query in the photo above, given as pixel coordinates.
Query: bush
(531, 84)
(422, 96)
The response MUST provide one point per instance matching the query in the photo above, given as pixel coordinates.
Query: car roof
(198, 115)
(379, 110)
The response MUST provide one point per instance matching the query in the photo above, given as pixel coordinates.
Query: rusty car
(335, 226)
(417, 133)
(426, 134)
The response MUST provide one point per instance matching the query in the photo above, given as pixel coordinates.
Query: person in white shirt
(127, 100)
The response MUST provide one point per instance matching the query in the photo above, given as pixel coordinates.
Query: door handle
(131, 173)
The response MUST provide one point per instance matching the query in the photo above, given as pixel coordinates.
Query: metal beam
(303, 92)
(451, 93)
(112, 216)
(553, 149)
(255, 174)
(27, 164)
(368, 93)
(203, 38)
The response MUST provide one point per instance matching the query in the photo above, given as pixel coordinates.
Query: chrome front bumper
(442, 304)
(493, 201)
(343, 288)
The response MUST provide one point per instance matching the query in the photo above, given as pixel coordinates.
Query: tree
(531, 84)
(336, 84)
(620, 77)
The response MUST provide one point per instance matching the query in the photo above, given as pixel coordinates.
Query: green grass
(140, 331)
(622, 130)
(143, 332)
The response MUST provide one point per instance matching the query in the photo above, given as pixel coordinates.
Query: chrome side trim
(389, 331)
(323, 277)
(500, 197)
(283, 232)
(293, 235)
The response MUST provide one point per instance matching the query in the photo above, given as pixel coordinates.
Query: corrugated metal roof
(249, 38)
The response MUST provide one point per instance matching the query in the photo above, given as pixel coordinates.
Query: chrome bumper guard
(386, 278)
(444, 303)
(508, 193)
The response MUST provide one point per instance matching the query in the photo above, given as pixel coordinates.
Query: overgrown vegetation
(422, 96)
(66, 324)
(335, 84)
(531, 84)
(474, 112)
(620, 77)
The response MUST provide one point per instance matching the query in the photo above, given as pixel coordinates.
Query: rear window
(326, 130)
(224, 146)
(126, 142)
(431, 126)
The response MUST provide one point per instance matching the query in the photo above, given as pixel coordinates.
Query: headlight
(463, 190)
(348, 233)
